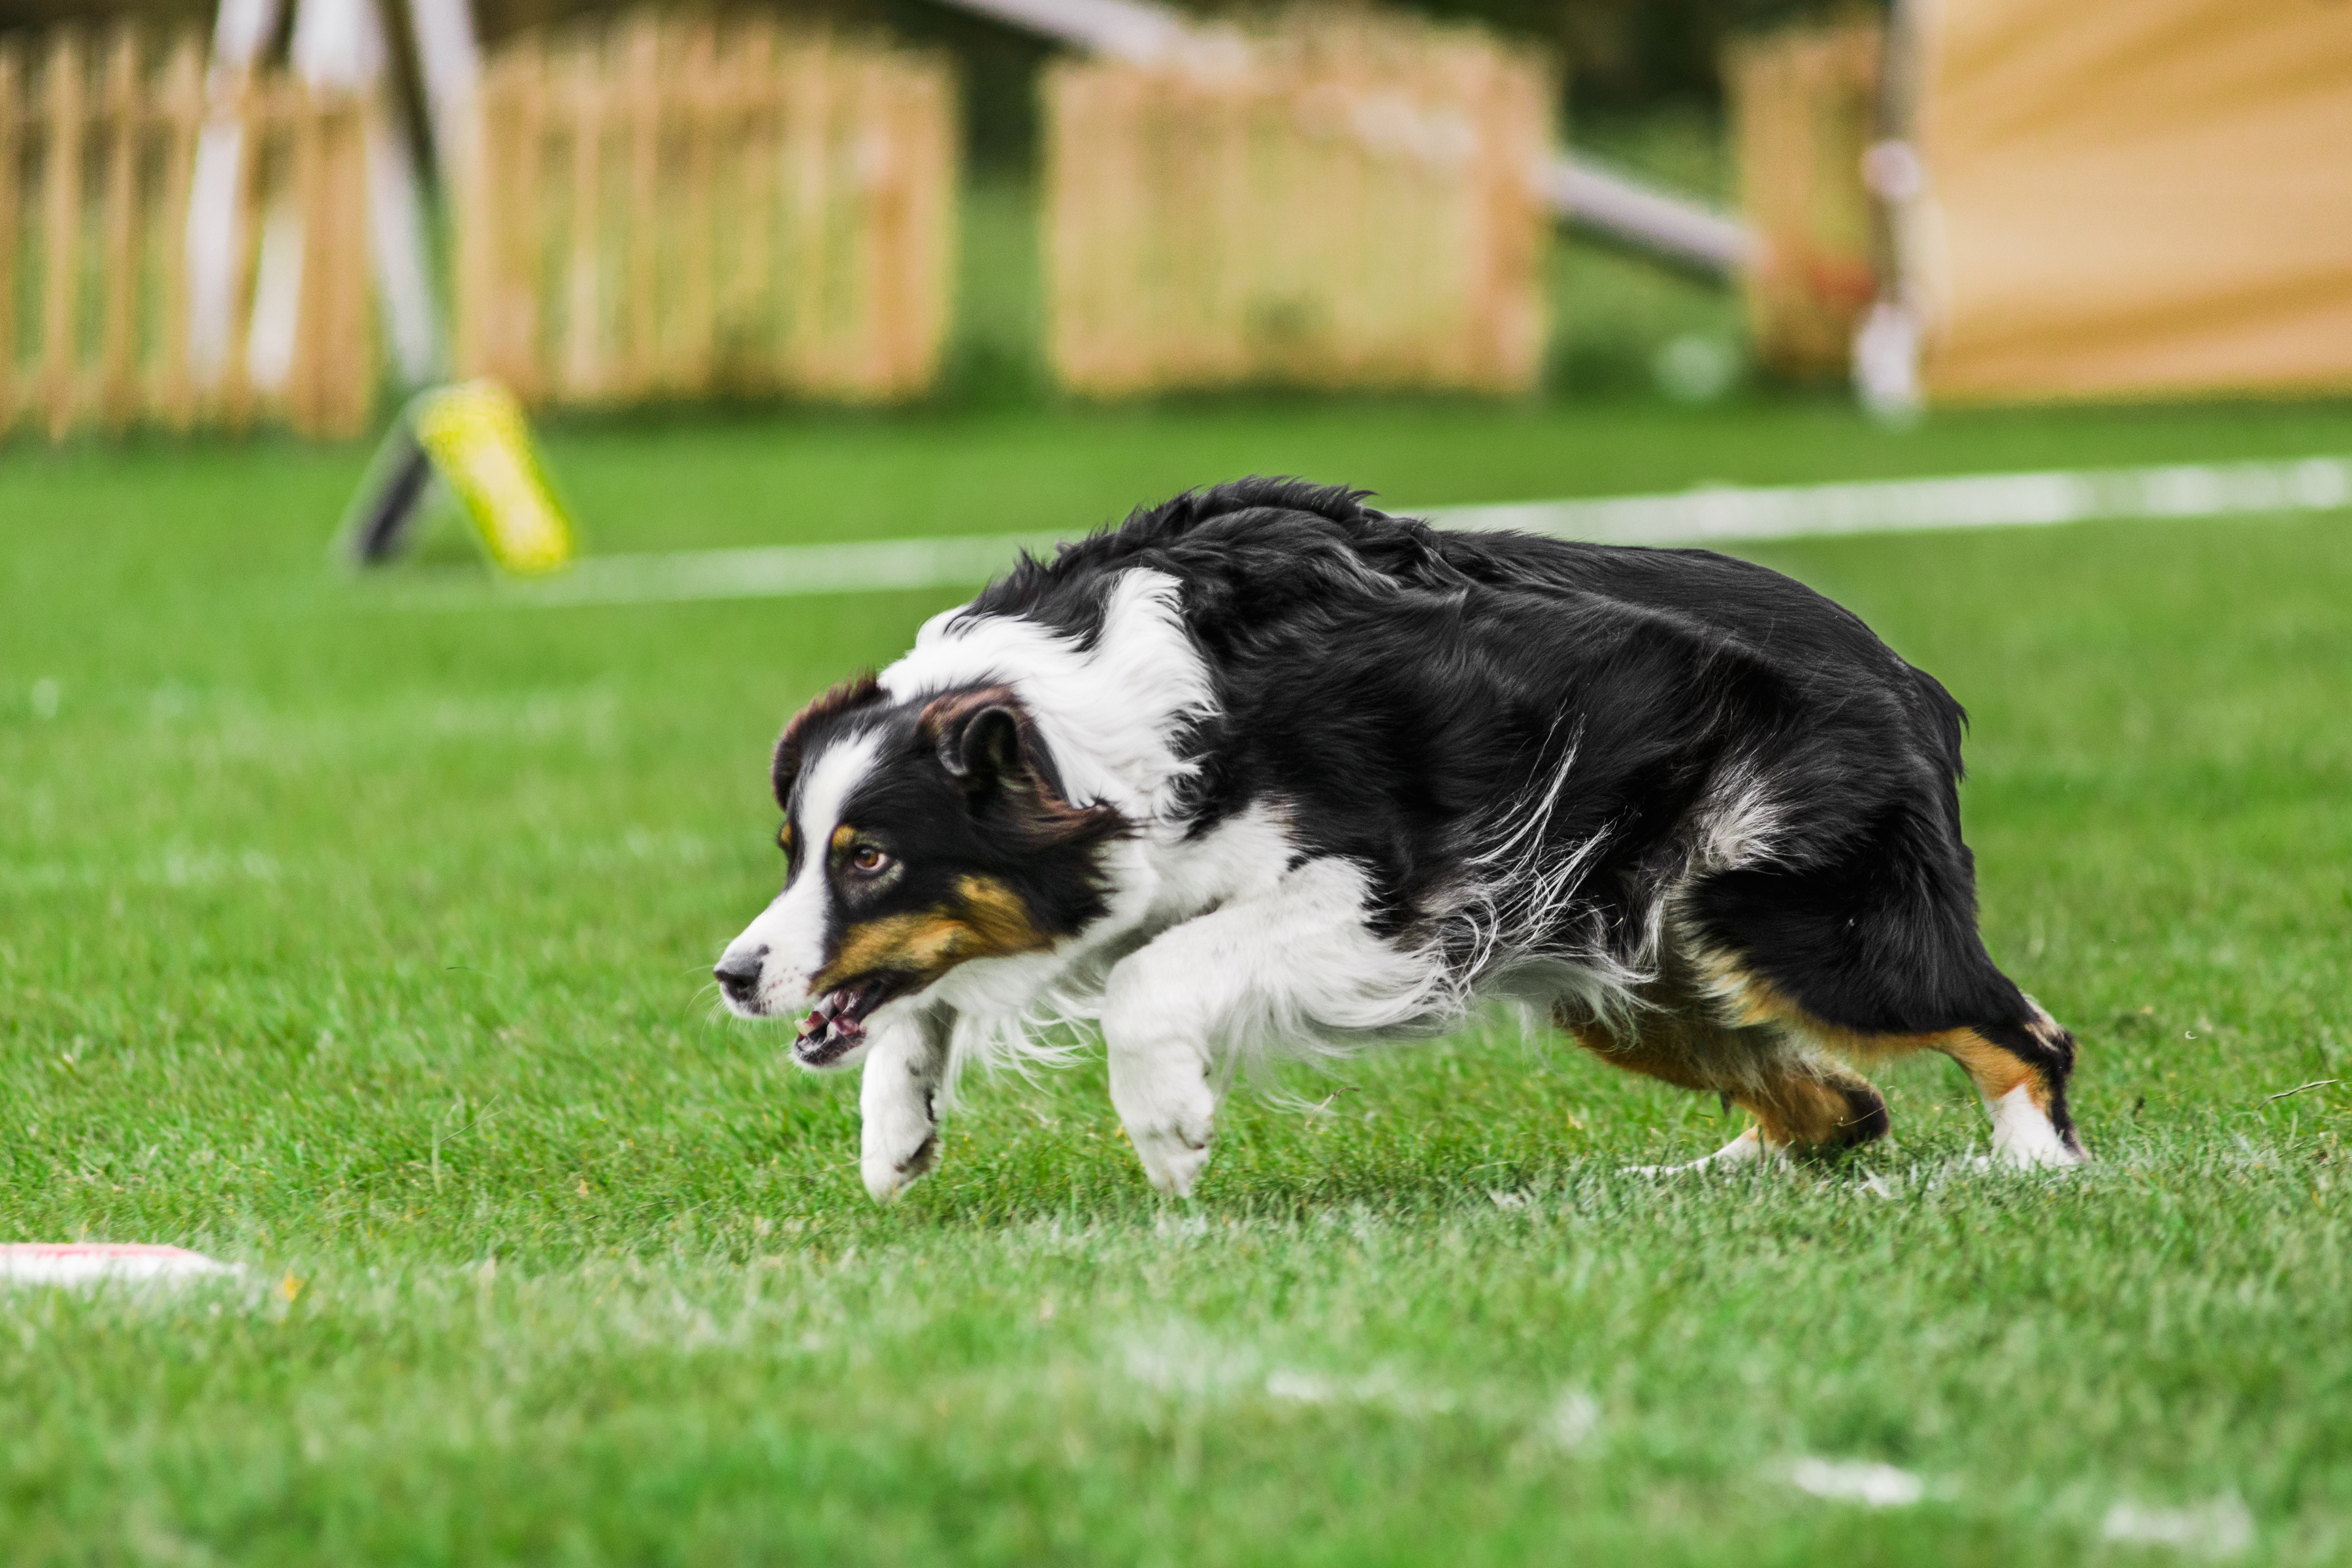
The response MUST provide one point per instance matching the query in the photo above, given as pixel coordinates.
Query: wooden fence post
(809, 115)
(124, 136)
(750, 325)
(12, 97)
(584, 78)
(641, 47)
(182, 112)
(697, 118)
(251, 107)
(335, 362)
(60, 336)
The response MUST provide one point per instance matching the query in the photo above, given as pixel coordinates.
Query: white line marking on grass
(1857, 1480)
(1574, 1419)
(1714, 514)
(1903, 506)
(93, 1262)
(2219, 1528)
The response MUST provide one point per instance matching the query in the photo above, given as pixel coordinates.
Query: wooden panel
(710, 209)
(1332, 201)
(1804, 110)
(109, 132)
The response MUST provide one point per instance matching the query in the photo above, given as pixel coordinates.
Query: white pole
(341, 44)
(241, 32)
(1634, 212)
(449, 58)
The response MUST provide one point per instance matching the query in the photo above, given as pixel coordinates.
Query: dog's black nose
(739, 973)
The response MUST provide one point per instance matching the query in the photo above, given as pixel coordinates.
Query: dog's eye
(866, 860)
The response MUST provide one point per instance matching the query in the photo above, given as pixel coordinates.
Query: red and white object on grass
(91, 1262)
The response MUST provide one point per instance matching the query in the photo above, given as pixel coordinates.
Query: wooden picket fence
(99, 134)
(1804, 106)
(1340, 200)
(665, 208)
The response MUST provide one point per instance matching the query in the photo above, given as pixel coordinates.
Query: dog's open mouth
(837, 1023)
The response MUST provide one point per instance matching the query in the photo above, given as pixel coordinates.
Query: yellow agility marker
(472, 442)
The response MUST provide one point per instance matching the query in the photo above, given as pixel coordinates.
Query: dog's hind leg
(1877, 953)
(1805, 1103)
(898, 1101)
(2022, 1068)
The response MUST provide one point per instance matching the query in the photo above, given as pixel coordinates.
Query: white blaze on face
(790, 934)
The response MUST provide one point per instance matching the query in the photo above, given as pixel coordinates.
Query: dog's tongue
(825, 1022)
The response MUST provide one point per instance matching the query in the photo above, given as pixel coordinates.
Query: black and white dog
(1266, 772)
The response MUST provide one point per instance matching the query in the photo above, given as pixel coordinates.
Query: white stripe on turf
(1714, 514)
(1899, 506)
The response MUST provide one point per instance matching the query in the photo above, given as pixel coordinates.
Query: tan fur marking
(925, 942)
(998, 918)
(1798, 1101)
(1757, 1001)
(842, 838)
(1994, 1071)
(988, 920)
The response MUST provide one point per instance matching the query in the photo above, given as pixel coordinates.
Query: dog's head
(918, 835)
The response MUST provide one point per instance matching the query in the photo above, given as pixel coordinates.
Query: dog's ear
(855, 692)
(983, 742)
(989, 745)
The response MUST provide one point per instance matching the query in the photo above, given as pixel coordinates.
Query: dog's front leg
(1157, 1026)
(899, 1102)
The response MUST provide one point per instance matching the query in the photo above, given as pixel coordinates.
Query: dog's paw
(900, 1143)
(2024, 1138)
(1174, 1156)
(1747, 1149)
(1164, 1101)
(886, 1178)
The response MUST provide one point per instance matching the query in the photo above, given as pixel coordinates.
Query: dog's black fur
(1389, 678)
(1727, 793)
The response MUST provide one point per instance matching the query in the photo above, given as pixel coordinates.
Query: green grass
(366, 949)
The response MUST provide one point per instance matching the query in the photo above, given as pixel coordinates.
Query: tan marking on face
(784, 838)
(984, 920)
(925, 943)
(998, 918)
(842, 837)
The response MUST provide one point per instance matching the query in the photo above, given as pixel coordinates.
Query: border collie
(1264, 772)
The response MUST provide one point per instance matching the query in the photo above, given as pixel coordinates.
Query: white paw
(2024, 1138)
(900, 1142)
(889, 1174)
(1747, 1149)
(1164, 1101)
(2034, 1156)
(1172, 1157)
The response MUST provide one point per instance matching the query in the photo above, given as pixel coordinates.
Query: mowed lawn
(367, 949)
